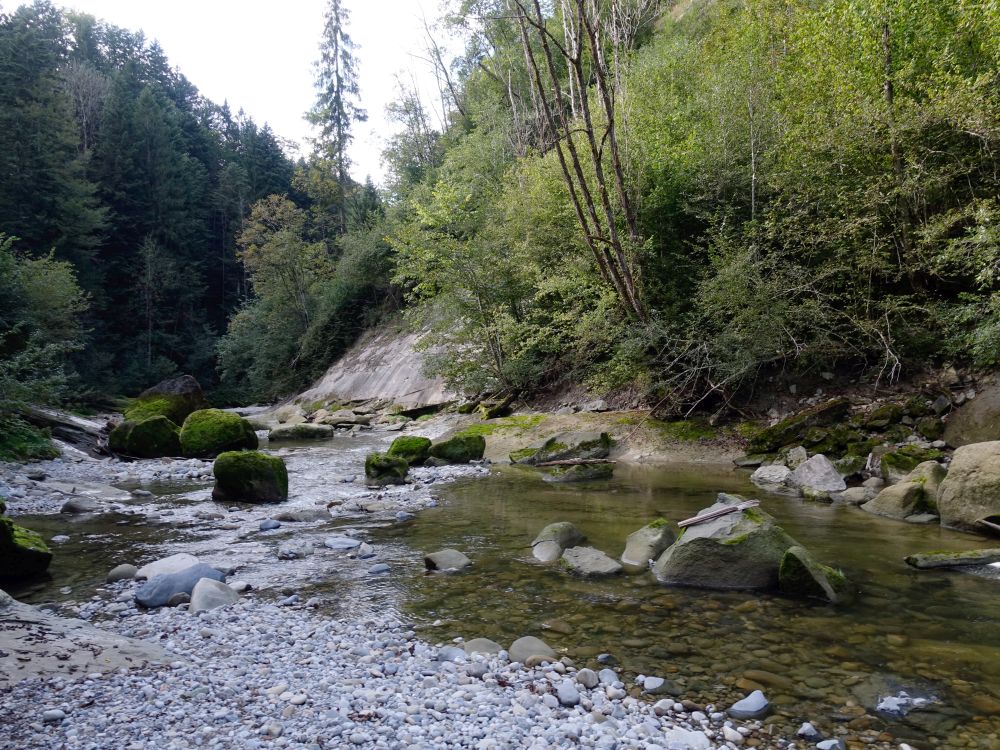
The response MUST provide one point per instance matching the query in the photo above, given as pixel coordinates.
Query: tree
(337, 105)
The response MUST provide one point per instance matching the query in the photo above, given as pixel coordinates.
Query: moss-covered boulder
(578, 473)
(932, 428)
(833, 440)
(793, 429)
(915, 495)
(209, 432)
(118, 437)
(567, 445)
(740, 550)
(461, 449)
(897, 464)
(153, 438)
(174, 399)
(301, 431)
(883, 416)
(23, 553)
(383, 469)
(249, 477)
(800, 575)
(411, 448)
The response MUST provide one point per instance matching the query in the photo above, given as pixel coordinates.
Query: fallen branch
(718, 513)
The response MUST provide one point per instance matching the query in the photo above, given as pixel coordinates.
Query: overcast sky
(259, 56)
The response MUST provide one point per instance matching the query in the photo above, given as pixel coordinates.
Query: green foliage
(20, 441)
(208, 432)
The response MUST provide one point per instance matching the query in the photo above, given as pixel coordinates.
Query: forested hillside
(665, 200)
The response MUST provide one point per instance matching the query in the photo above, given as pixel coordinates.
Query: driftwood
(718, 513)
(576, 462)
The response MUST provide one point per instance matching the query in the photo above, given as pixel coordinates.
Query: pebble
(754, 706)
(567, 693)
(378, 568)
(53, 715)
(268, 524)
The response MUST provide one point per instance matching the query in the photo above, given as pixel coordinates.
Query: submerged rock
(123, 572)
(524, 648)
(590, 562)
(740, 550)
(551, 541)
(800, 575)
(579, 473)
(971, 491)
(446, 560)
(565, 446)
(209, 432)
(929, 560)
(460, 449)
(482, 646)
(249, 477)
(647, 544)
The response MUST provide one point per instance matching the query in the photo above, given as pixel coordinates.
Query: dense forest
(661, 199)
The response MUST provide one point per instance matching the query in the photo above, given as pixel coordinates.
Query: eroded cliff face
(384, 364)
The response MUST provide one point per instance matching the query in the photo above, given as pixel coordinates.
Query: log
(576, 462)
(718, 513)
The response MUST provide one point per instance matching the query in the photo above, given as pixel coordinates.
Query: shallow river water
(931, 634)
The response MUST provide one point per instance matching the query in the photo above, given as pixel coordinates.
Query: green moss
(411, 448)
(746, 430)
(521, 454)
(118, 438)
(521, 422)
(23, 552)
(905, 459)
(659, 523)
(883, 416)
(209, 432)
(754, 515)
(20, 441)
(314, 406)
(152, 438)
(791, 430)
(687, 430)
(580, 473)
(385, 469)
(425, 417)
(249, 476)
(461, 449)
(736, 539)
(175, 408)
(932, 428)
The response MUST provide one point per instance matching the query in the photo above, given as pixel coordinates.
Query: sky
(259, 56)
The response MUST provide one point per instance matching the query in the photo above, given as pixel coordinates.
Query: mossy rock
(883, 416)
(835, 441)
(384, 469)
(154, 438)
(23, 553)
(494, 409)
(118, 437)
(900, 462)
(209, 432)
(249, 477)
(916, 407)
(522, 455)
(467, 408)
(301, 431)
(411, 448)
(861, 448)
(174, 398)
(791, 430)
(567, 445)
(898, 433)
(931, 428)
(461, 449)
(800, 575)
(579, 473)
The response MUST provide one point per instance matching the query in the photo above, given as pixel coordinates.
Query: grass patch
(521, 422)
(20, 441)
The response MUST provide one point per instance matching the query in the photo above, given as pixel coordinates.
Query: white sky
(259, 56)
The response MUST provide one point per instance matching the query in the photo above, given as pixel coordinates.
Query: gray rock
(341, 543)
(567, 693)
(771, 477)
(158, 590)
(854, 495)
(818, 473)
(741, 550)
(123, 572)
(647, 544)
(588, 678)
(551, 541)
(607, 676)
(211, 594)
(53, 715)
(379, 568)
(365, 551)
(303, 515)
(295, 550)
(269, 524)
(754, 706)
(529, 646)
(971, 490)
(920, 518)
(239, 586)
(172, 564)
(482, 646)
(451, 653)
(874, 483)
(796, 457)
(834, 744)
(808, 731)
(588, 562)
(301, 431)
(659, 686)
(181, 597)
(446, 559)
(916, 494)
(80, 505)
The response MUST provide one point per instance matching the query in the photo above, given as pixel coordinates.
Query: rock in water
(249, 477)
(209, 432)
(578, 473)
(754, 706)
(953, 559)
(800, 575)
(154, 437)
(446, 560)
(818, 474)
(524, 648)
(78, 505)
(341, 543)
(269, 524)
(548, 546)
(411, 448)
(590, 562)
(566, 445)
(123, 572)
(740, 550)
(211, 594)
(971, 491)
(461, 449)
(158, 591)
(23, 553)
(383, 469)
(916, 494)
(648, 543)
(482, 646)
(304, 431)
(173, 564)
(772, 477)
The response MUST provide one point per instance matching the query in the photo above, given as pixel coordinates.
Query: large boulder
(151, 438)
(158, 591)
(23, 553)
(818, 474)
(977, 421)
(971, 491)
(916, 494)
(209, 432)
(895, 465)
(383, 469)
(589, 562)
(772, 477)
(648, 543)
(800, 575)
(211, 594)
(793, 429)
(740, 550)
(567, 445)
(163, 566)
(411, 448)
(301, 431)
(461, 449)
(249, 477)
(551, 541)
(174, 399)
